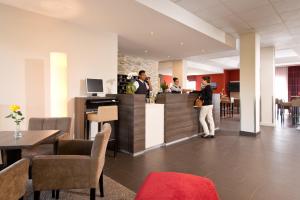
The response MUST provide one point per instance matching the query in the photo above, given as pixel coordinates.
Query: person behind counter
(143, 84)
(207, 109)
(176, 88)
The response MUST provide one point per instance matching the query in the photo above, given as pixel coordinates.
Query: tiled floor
(266, 167)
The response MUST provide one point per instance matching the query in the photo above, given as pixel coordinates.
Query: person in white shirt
(176, 88)
(143, 84)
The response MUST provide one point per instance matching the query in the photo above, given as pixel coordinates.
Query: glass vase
(18, 133)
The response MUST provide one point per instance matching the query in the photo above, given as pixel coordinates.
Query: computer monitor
(94, 86)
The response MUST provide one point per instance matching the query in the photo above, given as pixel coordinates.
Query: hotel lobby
(149, 99)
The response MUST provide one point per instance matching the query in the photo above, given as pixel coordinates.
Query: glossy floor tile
(252, 168)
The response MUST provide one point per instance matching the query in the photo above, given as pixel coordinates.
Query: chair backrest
(98, 152)
(13, 180)
(107, 113)
(55, 123)
(296, 103)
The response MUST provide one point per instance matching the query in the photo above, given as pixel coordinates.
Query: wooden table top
(29, 138)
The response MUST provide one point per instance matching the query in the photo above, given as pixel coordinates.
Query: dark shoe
(211, 136)
(205, 136)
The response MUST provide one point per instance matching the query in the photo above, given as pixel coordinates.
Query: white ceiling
(142, 31)
(276, 21)
(147, 33)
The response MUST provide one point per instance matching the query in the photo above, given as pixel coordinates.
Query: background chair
(105, 114)
(48, 147)
(13, 180)
(74, 171)
(295, 112)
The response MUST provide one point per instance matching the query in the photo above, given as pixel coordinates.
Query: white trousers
(206, 111)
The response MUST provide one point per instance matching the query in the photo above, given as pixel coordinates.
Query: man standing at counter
(206, 109)
(143, 84)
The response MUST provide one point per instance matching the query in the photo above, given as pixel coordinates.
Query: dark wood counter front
(131, 122)
(181, 119)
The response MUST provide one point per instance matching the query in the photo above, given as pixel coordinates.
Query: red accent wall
(218, 78)
(222, 80)
(167, 79)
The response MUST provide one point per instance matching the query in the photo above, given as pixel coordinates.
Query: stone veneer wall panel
(128, 64)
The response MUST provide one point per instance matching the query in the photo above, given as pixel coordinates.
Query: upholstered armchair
(13, 180)
(49, 146)
(79, 165)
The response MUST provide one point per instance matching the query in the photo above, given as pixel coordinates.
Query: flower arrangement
(131, 75)
(17, 116)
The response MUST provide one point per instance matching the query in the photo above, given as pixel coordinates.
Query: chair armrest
(61, 172)
(74, 147)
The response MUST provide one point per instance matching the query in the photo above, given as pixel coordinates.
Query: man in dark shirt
(143, 84)
(206, 109)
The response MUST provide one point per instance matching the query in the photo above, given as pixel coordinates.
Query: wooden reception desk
(173, 120)
(181, 119)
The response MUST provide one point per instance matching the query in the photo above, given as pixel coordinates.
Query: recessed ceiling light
(146, 51)
(151, 33)
(203, 50)
(181, 43)
(169, 56)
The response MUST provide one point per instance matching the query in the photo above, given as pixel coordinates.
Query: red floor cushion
(176, 186)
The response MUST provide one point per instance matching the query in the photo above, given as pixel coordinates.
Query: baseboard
(246, 133)
(267, 124)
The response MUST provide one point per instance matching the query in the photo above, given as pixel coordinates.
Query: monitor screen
(94, 85)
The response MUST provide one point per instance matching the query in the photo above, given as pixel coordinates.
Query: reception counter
(171, 119)
(181, 118)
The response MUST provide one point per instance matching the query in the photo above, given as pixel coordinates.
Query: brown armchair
(78, 166)
(48, 147)
(13, 180)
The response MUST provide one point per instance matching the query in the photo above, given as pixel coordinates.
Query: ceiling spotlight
(181, 43)
(203, 50)
(151, 33)
(169, 56)
(146, 51)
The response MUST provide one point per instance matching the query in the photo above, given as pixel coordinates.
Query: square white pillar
(180, 71)
(267, 86)
(250, 83)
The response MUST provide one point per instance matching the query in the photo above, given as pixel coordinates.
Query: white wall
(29, 38)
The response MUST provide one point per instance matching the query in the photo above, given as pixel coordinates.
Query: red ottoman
(176, 186)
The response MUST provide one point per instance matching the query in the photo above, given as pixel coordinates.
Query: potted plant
(17, 117)
(164, 86)
(130, 87)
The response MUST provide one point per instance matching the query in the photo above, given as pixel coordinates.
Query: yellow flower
(14, 108)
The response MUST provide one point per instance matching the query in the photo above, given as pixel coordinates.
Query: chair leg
(93, 194)
(101, 185)
(21, 198)
(36, 195)
(56, 194)
(53, 194)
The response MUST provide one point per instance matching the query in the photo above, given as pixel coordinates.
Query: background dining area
(287, 93)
